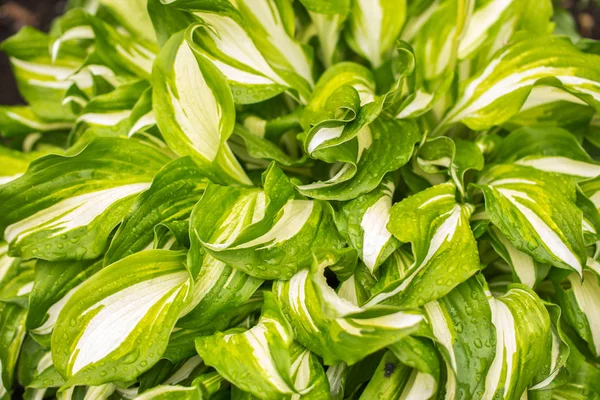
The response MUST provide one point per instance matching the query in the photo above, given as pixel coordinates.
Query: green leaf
(194, 108)
(65, 207)
(55, 283)
(536, 212)
(12, 334)
(175, 189)
(445, 251)
(456, 157)
(117, 323)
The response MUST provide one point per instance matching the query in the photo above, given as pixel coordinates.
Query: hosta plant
(277, 199)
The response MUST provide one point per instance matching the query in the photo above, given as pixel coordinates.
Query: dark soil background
(15, 14)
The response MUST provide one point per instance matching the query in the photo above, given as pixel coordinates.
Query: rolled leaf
(194, 108)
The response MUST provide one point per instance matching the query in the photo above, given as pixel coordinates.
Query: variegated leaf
(12, 332)
(224, 40)
(328, 18)
(547, 149)
(498, 91)
(536, 212)
(374, 25)
(9, 266)
(117, 323)
(271, 227)
(462, 326)
(218, 287)
(510, 336)
(523, 336)
(42, 82)
(334, 328)
(142, 116)
(171, 392)
(551, 106)
(181, 342)
(579, 301)
(109, 113)
(34, 361)
(384, 146)
(55, 283)
(257, 360)
(525, 269)
(455, 157)
(591, 188)
(271, 25)
(14, 163)
(495, 21)
(445, 251)
(307, 373)
(66, 206)
(395, 380)
(363, 222)
(194, 108)
(131, 15)
(340, 75)
(435, 33)
(17, 121)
